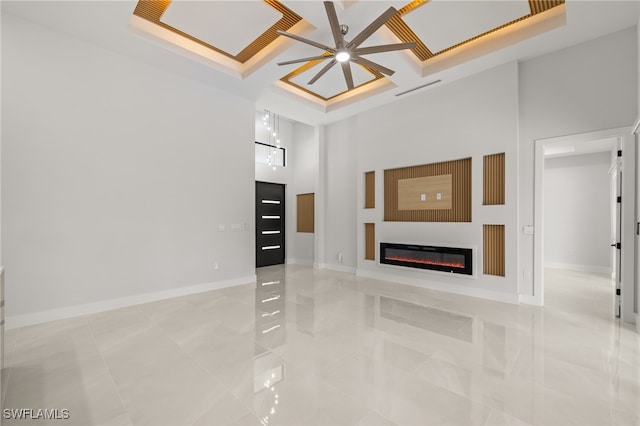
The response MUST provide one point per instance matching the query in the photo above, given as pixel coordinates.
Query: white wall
(115, 178)
(472, 117)
(584, 88)
(341, 195)
(577, 212)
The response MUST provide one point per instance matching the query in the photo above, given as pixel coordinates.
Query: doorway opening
(580, 221)
(580, 227)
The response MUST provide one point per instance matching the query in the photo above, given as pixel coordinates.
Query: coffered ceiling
(240, 37)
(233, 45)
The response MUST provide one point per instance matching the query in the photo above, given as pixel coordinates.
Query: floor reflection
(270, 332)
(309, 347)
(270, 305)
(431, 319)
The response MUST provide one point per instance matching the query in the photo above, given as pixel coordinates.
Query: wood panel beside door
(305, 212)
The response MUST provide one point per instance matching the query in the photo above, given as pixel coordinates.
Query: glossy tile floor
(318, 347)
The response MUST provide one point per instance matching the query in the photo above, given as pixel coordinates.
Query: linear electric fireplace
(445, 259)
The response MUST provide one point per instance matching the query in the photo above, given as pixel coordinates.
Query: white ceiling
(228, 25)
(440, 23)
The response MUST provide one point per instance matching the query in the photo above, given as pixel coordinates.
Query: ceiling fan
(345, 51)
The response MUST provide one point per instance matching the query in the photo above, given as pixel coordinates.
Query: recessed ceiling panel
(441, 24)
(333, 82)
(230, 26)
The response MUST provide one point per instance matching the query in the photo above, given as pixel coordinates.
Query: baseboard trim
(339, 268)
(444, 287)
(530, 300)
(302, 262)
(16, 321)
(579, 268)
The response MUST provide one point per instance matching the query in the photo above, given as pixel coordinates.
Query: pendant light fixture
(271, 122)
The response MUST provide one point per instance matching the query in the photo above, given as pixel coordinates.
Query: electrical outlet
(216, 265)
(340, 256)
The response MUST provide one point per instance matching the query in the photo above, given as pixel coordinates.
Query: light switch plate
(423, 197)
(439, 196)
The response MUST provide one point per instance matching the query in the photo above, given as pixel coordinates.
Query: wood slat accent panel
(305, 208)
(370, 241)
(539, 6)
(370, 190)
(494, 170)
(406, 34)
(494, 263)
(411, 191)
(460, 211)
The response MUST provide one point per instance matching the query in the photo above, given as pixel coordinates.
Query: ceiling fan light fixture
(342, 56)
(343, 52)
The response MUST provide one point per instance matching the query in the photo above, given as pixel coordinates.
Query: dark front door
(269, 224)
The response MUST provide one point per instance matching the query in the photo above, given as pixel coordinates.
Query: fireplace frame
(469, 253)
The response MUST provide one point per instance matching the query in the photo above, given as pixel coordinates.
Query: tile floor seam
(9, 367)
(106, 364)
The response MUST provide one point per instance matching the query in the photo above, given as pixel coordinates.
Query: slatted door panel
(494, 262)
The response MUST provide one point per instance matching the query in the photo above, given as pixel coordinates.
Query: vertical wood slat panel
(370, 241)
(461, 199)
(305, 212)
(494, 179)
(370, 190)
(494, 261)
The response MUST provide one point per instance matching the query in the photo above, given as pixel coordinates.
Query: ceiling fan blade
(335, 25)
(323, 71)
(310, 58)
(307, 41)
(348, 77)
(375, 66)
(384, 48)
(366, 33)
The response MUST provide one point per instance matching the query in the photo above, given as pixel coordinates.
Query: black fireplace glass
(446, 259)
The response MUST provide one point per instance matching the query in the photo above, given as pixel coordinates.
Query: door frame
(636, 141)
(627, 253)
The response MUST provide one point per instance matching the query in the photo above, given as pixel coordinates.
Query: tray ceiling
(239, 37)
